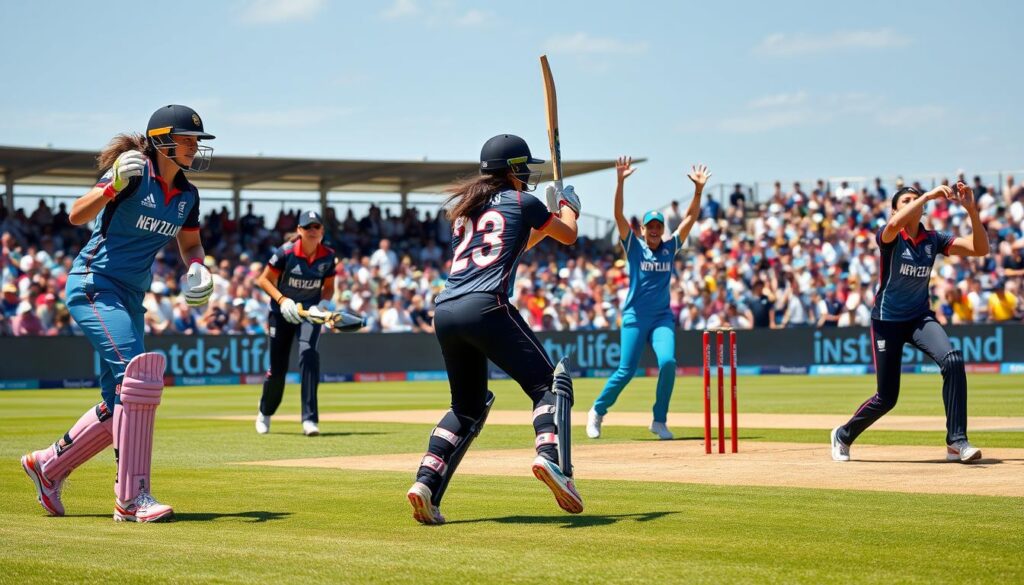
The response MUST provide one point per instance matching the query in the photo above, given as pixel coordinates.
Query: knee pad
(452, 437)
(952, 363)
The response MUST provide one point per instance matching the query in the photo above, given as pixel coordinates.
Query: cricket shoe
(144, 508)
(563, 487)
(661, 429)
(47, 492)
(962, 451)
(423, 510)
(262, 423)
(310, 428)
(840, 450)
(594, 424)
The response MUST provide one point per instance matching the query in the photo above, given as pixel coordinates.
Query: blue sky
(756, 90)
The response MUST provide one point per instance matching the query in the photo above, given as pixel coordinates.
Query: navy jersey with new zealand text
(302, 277)
(905, 272)
(486, 247)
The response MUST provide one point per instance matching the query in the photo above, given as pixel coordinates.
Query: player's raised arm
(905, 214)
(977, 243)
(699, 174)
(623, 169)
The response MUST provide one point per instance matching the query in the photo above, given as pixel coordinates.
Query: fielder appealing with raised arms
(494, 221)
(300, 273)
(902, 315)
(142, 201)
(646, 316)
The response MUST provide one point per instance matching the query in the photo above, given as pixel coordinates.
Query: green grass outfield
(247, 524)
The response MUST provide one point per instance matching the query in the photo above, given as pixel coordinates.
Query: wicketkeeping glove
(569, 198)
(198, 285)
(290, 311)
(128, 164)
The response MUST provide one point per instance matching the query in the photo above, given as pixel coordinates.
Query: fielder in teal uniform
(646, 317)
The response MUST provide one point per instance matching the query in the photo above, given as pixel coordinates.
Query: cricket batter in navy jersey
(646, 317)
(142, 202)
(902, 315)
(300, 273)
(495, 219)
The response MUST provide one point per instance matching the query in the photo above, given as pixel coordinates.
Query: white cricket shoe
(840, 450)
(262, 423)
(310, 429)
(594, 424)
(144, 508)
(423, 510)
(661, 429)
(962, 451)
(563, 487)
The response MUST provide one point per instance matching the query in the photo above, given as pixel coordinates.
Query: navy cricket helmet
(510, 152)
(179, 120)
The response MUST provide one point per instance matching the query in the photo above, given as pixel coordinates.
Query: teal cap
(653, 215)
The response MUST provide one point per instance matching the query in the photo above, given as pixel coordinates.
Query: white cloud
(910, 116)
(474, 18)
(275, 11)
(401, 9)
(581, 43)
(779, 100)
(781, 44)
(790, 110)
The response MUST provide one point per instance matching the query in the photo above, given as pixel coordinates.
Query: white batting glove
(128, 164)
(551, 196)
(198, 285)
(320, 313)
(290, 311)
(569, 198)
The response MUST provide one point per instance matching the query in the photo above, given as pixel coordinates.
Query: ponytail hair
(119, 145)
(467, 195)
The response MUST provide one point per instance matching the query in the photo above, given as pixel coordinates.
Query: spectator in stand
(9, 303)
(845, 191)
(712, 209)
(829, 309)
(673, 216)
(384, 258)
(1002, 305)
(26, 322)
(184, 321)
(880, 193)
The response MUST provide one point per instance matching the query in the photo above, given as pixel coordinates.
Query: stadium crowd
(798, 258)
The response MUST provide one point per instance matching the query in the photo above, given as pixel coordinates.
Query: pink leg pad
(90, 435)
(140, 392)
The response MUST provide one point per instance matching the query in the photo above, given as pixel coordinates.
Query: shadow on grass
(252, 516)
(580, 521)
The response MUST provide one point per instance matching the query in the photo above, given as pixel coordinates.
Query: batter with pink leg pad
(142, 202)
(140, 392)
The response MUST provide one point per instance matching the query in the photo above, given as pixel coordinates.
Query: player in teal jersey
(646, 317)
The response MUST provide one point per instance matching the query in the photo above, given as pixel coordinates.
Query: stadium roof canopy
(52, 167)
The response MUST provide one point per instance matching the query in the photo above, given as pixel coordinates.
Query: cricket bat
(556, 146)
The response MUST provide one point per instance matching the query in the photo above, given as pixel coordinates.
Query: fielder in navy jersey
(902, 314)
(301, 272)
(494, 220)
(142, 202)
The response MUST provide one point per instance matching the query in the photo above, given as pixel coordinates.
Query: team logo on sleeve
(181, 210)
(928, 249)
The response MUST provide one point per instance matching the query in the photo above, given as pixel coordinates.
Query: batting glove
(129, 164)
(198, 285)
(290, 311)
(569, 198)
